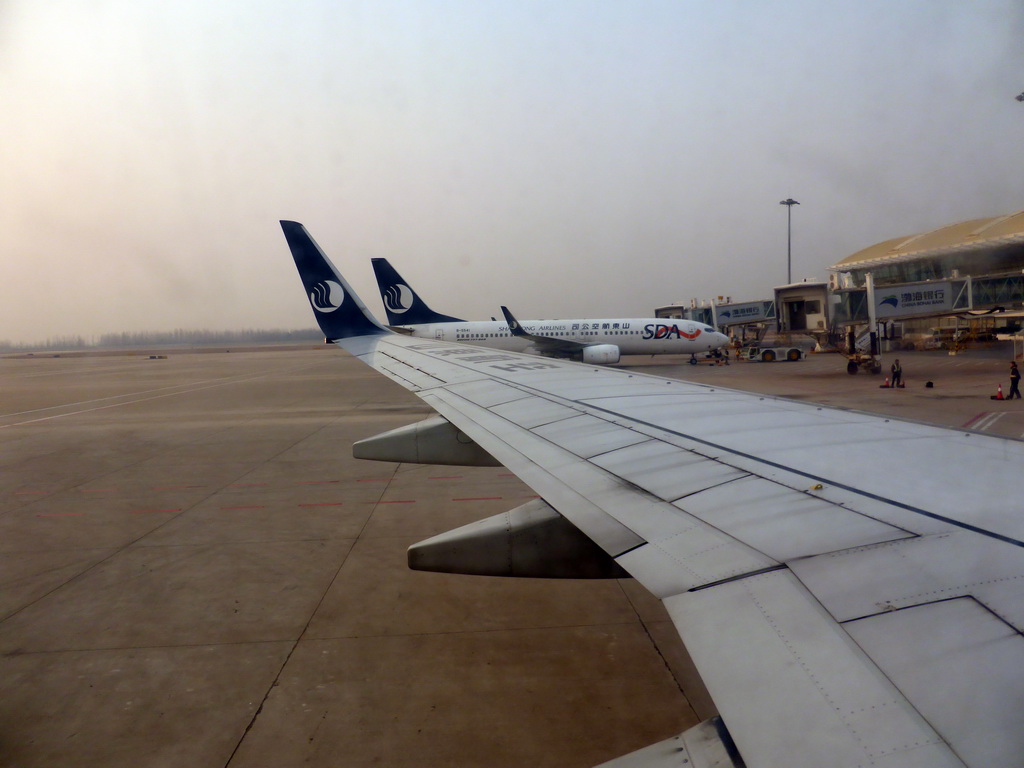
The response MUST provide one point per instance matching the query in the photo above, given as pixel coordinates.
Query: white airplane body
(633, 336)
(847, 585)
(589, 340)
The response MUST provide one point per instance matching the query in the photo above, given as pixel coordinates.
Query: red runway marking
(175, 487)
(255, 507)
(62, 514)
(152, 511)
(329, 504)
(971, 421)
(482, 498)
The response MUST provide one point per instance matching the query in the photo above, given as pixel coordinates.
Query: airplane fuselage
(633, 336)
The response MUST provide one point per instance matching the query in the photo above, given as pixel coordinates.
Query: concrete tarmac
(195, 571)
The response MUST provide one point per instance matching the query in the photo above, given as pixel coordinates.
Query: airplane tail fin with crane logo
(339, 311)
(402, 304)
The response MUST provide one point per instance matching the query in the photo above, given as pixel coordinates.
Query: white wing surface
(848, 585)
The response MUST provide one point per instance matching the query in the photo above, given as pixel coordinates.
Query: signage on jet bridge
(911, 300)
(747, 312)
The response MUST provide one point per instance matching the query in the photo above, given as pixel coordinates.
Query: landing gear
(693, 359)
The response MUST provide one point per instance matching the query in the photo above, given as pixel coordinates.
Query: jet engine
(601, 354)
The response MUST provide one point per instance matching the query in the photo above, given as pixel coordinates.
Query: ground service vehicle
(771, 354)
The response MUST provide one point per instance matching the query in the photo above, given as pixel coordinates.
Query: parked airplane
(846, 599)
(600, 341)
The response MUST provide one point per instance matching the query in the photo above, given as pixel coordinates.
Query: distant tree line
(176, 338)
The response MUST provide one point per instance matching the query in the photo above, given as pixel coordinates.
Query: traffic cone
(886, 385)
(999, 393)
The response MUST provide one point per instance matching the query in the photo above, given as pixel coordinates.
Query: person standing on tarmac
(1014, 381)
(897, 374)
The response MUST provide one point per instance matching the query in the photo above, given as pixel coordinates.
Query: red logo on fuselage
(659, 331)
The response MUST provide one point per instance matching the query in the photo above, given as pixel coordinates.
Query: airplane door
(439, 334)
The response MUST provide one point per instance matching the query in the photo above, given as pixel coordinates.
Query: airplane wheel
(693, 361)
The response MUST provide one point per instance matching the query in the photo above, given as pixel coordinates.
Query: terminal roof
(975, 235)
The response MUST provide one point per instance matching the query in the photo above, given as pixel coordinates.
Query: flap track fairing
(532, 541)
(431, 441)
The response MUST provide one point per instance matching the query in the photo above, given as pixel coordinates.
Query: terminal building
(961, 279)
(968, 275)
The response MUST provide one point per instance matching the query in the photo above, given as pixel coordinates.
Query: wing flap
(587, 436)
(665, 470)
(782, 522)
(870, 580)
(961, 666)
(533, 411)
(764, 645)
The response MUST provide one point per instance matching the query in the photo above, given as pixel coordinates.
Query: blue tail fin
(337, 308)
(402, 303)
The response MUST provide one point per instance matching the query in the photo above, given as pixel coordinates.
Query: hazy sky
(578, 157)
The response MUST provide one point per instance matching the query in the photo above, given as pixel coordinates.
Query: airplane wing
(847, 585)
(566, 348)
(543, 343)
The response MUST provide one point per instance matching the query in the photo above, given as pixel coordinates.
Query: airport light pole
(789, 202)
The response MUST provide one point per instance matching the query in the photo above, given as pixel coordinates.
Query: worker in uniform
(1014, 381)
(897, 374)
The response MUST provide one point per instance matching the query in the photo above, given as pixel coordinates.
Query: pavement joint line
(656, 647)
(312, 614)
(218, 382)
(117, 405)
(165, 646)
(484, 630)
(102, 399)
